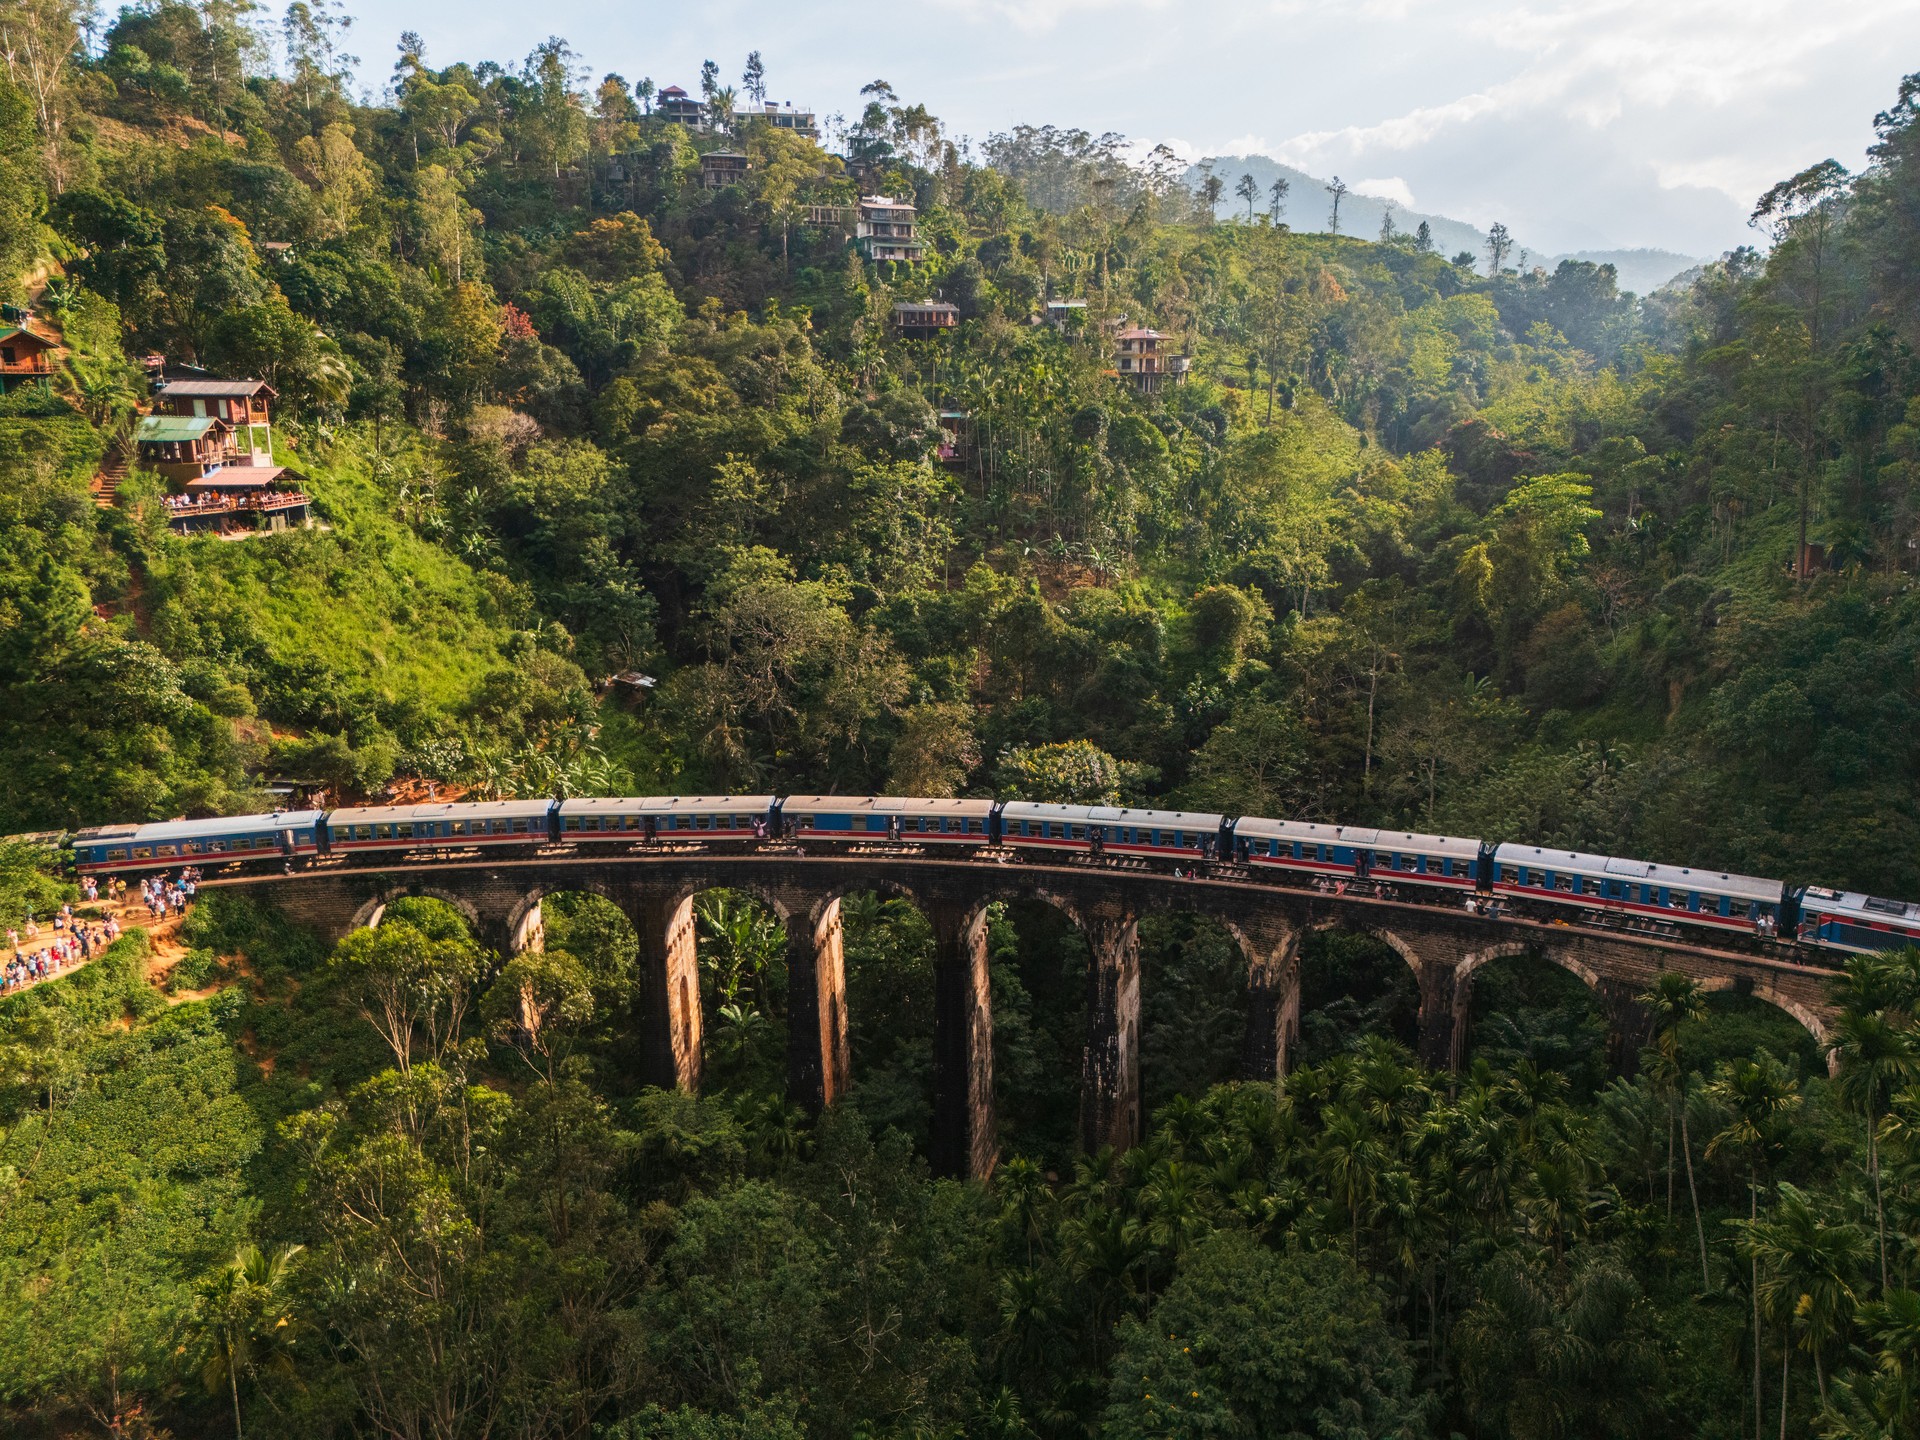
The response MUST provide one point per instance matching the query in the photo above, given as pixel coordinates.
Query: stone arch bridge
(1443, 947)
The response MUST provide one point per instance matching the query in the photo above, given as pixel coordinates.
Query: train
(1491, 877)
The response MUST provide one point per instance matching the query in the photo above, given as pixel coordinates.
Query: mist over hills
(1309, 207)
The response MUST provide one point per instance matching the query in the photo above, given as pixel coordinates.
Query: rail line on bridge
(656, 889)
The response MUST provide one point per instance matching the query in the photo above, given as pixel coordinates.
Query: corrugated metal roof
(160, 428)
(212, 389)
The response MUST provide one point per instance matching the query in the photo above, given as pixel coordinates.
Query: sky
(1580, 124)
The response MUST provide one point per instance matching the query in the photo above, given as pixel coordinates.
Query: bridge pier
(1443, 1029)
(667, 1004)
(1629, 1024)
(1273, 1000)
(965, 1142)
(819, 1062)
(1110, 1066)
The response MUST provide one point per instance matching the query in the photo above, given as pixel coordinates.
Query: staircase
(106, 485)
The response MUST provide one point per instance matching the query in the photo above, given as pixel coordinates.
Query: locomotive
(1554, 885)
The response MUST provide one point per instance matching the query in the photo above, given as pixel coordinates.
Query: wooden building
(28, 356)
(924, 319)
(722, 169)
(244, 405)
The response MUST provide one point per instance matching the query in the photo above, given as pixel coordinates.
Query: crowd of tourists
(35, 953)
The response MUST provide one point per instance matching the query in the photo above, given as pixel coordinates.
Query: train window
(976, 827)
(192, 847)
(406, 832)
(163, 850)
(383, 832)
(572, 822)
(116, 854)
(1563, 882)
(1737, 909)
(142, 852)
(1676, 899)
(1508, 875)
(701, 822)
(1590, 886)
(1077, 832)
(519, 827)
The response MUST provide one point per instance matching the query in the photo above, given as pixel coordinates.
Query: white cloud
(1391, 188)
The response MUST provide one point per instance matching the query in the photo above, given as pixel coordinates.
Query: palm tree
(1757, 1095)
(1673, 1000)
(1808, 1259)
(1876, 1057)
(248, 1319)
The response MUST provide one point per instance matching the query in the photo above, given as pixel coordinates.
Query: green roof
(159, 428)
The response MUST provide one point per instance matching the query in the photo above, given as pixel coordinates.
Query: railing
(180, 507)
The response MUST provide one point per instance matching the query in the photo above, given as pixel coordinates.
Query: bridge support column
(1443, 1030)
(668, 999)
(965, 1144)
(529, 932)
(1629, 1025)
(1273, 1002)
(1110, 1067)
(819, 1063)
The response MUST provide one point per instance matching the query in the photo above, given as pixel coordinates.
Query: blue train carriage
(1085, 829)
(1304, 849)
(1858, 924)
(453, 825)
(850, 819)
(1639, 890)
(279, 835)
(707, 818)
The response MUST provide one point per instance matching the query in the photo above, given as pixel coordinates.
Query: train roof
(1256, 827)
(442, 810)
(1573, 862)
(1862, 906)
(887, 805)
(1110, 815)
(164, 830)
(664, 804)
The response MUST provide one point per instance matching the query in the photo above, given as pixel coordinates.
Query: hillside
(1308, 206)
(912, 469)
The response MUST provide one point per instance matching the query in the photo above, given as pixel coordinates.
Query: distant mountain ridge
(1308, 208)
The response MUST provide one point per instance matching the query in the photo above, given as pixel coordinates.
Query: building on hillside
(28, 355)
(244, 405)
(831, 217)
(956, 439)
(184, 447)
(722, 169)
(1062, 314)
(1141, 358)
(884, 230)
(240, 500)
(924, 319)
(784, 116)
(675, 105)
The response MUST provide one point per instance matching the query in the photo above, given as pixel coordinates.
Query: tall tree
(1248, 190)
(1338, 190)
(753, 79)
(1277, 198)
(1499, 246)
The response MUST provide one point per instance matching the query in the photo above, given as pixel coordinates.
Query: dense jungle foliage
(1504, 555)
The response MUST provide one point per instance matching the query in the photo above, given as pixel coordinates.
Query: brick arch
(369, 915)
(778, 901)
(1521, 949)
(1386, 937)
(879, 883)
